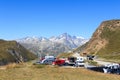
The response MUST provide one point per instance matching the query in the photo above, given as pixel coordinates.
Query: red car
(59, 62)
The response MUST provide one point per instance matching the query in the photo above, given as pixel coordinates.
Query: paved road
(102, 62)
(88, 65)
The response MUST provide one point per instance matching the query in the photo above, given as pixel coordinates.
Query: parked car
(70, 61)
(48, 60)
(112, 68)
(90, 57)
(59, 62)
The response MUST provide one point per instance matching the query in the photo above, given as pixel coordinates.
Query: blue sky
(21, 18)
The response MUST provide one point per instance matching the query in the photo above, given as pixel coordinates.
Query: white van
(80, 62)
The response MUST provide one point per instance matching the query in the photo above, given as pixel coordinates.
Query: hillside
(105, 41)
(11, 51)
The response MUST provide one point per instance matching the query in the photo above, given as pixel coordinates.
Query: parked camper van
(80, 62)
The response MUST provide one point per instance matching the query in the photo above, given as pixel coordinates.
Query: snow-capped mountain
(68, 40)
(52, 45)
(32, 39)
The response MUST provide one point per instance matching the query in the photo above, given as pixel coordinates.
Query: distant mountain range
(53, 45)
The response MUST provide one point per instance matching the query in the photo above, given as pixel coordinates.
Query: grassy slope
(81, 48)
(31, 72)
(112, 49)
(12, 45)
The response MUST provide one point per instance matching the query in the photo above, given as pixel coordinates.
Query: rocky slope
(105, 41)
(53, 45)
(11, 51)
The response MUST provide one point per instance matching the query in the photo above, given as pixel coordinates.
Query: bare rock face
(96, 42)
(105, 40)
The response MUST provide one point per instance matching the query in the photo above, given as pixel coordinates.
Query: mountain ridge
(54, 44)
